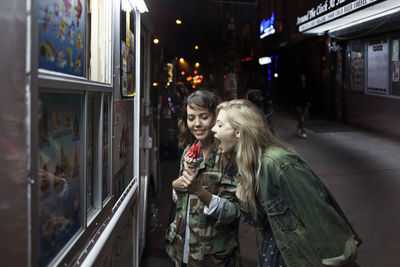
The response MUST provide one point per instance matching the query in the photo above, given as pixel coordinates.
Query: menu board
(62, 30)
(60, 172)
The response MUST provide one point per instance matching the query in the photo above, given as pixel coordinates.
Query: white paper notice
(378, 68)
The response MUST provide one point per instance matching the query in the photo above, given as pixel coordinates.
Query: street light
(156, 41)
(196, 47)
(178, 21)
(181, 60)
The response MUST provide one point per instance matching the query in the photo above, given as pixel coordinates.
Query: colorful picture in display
(62, 36)
(60, 172)
(122, 153)
(127, 54)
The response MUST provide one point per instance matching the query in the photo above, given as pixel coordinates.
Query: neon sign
(267, 26)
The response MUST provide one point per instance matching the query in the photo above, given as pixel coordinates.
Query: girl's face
(224, 132)
(200, 122)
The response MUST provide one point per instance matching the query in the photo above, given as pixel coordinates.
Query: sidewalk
(360, 168)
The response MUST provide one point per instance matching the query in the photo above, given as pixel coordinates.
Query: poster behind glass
(378, 68)
(60, 174)
(62, 29)
(127, 54)
(122, 151)
(106, 150)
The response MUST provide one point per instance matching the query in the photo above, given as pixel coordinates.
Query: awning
(350, 15)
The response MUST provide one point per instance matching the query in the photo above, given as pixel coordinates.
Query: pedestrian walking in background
(204, 231)
(267, 93)
(301, 96)
(288, 202)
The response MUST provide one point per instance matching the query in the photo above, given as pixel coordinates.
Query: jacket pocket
(280, 215)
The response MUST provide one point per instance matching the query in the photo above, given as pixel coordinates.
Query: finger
(186, 181)
(188, 176)
(189, 171)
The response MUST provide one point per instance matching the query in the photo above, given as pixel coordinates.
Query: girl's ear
(237, 133)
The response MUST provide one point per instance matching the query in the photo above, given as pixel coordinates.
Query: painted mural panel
(62, 30)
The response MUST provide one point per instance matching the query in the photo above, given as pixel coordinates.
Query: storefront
(80, 94)
(364, 51)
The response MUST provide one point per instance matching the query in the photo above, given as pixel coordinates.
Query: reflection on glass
(89, 153)
(59, 159)
(105, 154)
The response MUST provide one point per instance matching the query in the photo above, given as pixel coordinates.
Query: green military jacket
(309, 227)
(215, 234)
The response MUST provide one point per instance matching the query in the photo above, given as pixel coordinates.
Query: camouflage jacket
(215, 234)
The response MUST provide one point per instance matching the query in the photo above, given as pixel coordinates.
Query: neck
(206, 144)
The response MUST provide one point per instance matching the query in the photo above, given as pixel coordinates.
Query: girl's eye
(205, 117)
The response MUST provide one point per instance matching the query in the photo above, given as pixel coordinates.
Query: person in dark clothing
(301, 104)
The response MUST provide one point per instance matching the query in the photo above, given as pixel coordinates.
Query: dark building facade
(362, 42)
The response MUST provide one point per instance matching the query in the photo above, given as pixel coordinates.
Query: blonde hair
(255, 136)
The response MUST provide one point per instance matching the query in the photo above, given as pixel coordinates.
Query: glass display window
(395, 65)
(62, 36)
(377, 66)
(357, 60)
(127, 49)
(60, 172)
(106, 166)
(75, 38)
(99, 19)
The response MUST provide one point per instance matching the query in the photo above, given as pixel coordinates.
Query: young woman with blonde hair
(281, 193)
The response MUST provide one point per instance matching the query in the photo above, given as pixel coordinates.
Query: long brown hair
(201, 99)
(255, 136)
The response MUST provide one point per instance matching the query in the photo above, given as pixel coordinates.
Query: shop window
(357, 55)
(395, 65)
(378, 67)
(106, 168)
(62, 32)
(60, 164)
(100, 40)
(92, 129)
(75, 38)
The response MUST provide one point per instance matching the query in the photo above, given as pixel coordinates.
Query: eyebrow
(204, 113)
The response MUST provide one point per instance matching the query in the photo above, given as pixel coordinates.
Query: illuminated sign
(264, 60)
(248, 2)
(330, 10)
(267, 26)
